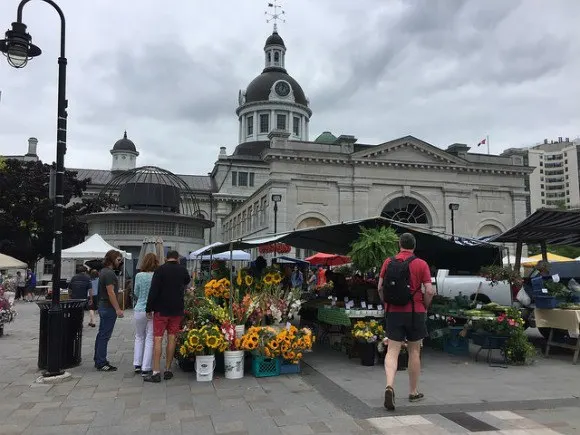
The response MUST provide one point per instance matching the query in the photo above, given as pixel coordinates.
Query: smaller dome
(124, 144)
(326, 137)
(275, 39)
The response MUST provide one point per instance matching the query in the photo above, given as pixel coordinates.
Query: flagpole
(487, 142)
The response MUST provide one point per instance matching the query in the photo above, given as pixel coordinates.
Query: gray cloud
(445, 71)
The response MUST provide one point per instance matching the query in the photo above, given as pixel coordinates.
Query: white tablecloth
(559, 319)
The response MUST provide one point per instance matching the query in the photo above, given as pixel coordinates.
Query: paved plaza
(332, 395)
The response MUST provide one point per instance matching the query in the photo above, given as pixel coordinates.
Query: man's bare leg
(170, 352)
(414, 349)
(157, 344)
(391, 362)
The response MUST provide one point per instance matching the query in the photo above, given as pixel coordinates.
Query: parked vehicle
(452, 285)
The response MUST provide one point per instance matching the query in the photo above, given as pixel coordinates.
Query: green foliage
(566, 251)
(373, 246)
(495, 274)
(26, 212)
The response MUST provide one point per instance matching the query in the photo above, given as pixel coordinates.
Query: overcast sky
(169, 72)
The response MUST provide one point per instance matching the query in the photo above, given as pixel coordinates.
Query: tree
(26, 212)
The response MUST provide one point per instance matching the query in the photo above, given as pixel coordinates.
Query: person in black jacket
(165, 304)
(80, 285)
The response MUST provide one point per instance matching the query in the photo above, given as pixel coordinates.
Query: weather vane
(275, 13)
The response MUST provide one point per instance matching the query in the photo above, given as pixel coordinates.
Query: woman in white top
(143, 353)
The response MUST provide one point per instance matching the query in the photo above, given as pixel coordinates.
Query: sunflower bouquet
(294, 342)
(206, 340)
(368, 332)
(261, 340)
(217, 288)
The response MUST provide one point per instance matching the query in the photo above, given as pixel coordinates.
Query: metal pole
(55, 315)
(453, 223)
(275, 226)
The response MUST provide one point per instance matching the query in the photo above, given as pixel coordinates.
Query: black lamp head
(18, 47)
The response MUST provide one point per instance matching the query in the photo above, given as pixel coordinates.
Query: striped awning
(555, 227)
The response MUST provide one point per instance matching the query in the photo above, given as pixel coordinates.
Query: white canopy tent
(195, 254)
(8, 262)
(94, 247)
(236, 255)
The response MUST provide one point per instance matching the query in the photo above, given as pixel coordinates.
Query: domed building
(149, 201)
(124, 154)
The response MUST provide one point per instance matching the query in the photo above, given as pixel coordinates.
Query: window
(48, 267)
(276, 56)
(281, 122)
(250, 125)
(541, 171)
(269, 57)
(252, 176)
(264, 123)
(296, 126)
(234, 178)
(541, 186)
(242, 179)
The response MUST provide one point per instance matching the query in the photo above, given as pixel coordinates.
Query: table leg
(577, 351)
(550, 337)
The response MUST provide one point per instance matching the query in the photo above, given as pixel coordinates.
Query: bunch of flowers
(294, 342)
(369, 332)
(496, 274)
(218, 288)
(243, 310)
(244, 279)
(229, 331)
(261, 340)
(206, 340)
(272, 278)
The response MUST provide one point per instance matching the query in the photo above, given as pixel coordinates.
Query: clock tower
(273, 100)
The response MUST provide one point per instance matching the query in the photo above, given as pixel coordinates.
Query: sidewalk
(314, 402)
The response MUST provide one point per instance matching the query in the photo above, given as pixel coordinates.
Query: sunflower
(212, 342)
(277, 278)
(268, 279)
(193, 340)
(239, 278)
(199, 348)
(249, 280)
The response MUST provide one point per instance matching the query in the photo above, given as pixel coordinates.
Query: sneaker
(137, 370)
(145, 373)
(167, 375)
(153, 378)
(416, 397)
(107, 368)
(390, 398)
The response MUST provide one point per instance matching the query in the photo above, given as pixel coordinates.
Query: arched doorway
(489, 230)
(309, 222)
(407, 210)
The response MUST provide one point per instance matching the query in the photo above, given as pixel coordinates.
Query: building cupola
(124, 154)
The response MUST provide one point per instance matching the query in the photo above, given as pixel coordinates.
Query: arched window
(406, 210)
(276, 57)
(309, 222)
(489, 230)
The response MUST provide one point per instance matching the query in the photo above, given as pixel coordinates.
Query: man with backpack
(400, 288)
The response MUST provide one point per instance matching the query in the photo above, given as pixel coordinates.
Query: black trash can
(72, 333)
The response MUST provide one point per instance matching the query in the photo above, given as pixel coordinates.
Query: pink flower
(511, 322)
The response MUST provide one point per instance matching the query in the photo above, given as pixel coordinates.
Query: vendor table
(332, 320)
(560, 319)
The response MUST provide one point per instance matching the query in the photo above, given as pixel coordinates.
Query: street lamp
(19, 49)
(276, 199)
(453, 207)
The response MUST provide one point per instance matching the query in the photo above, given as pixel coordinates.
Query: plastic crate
(287, 368)
(263, 367)
(546, 302)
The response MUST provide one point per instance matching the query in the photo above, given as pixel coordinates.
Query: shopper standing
(20, 286)
(143, 352)
(109, 309)
(400, 286)
(94, 296)
(165, 304)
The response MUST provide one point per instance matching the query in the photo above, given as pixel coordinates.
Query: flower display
(7, 312)
(228, 329)
(243, 310)
(206, 340)
(369, 332)
(290, 343)
(218, 288)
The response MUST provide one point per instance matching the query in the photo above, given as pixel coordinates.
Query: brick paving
(98, 403)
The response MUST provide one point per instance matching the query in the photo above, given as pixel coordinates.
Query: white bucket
(240, 330)
(204, 367)
(234, 364)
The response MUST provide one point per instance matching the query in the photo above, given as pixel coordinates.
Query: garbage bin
(72, 332)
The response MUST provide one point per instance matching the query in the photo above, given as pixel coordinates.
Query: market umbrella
(552, 258)
(152, 244)
(8, 262)
(322, 259)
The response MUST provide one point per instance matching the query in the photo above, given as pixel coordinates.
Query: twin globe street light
(19, 49)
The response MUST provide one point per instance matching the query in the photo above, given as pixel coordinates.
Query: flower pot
(186, 364)
(204, 367)
(234, 364)
(367, 353)
(240, 330)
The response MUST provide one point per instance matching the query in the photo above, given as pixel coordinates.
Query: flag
(270, 5)
(482, 142)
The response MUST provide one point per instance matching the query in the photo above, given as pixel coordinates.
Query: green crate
(263, 367)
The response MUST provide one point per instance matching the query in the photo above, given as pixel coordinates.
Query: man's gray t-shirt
(107, 277)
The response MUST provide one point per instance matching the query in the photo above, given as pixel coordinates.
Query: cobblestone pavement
(101, 403)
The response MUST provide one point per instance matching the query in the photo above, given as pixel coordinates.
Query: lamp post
(453, 207)
(276, 199)
(18, 48)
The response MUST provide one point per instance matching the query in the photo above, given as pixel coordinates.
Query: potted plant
(294, 343)
(265, 346)
(495, 274)
(372, 247)
(203, 343)
(233, 355)
(367, 334)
